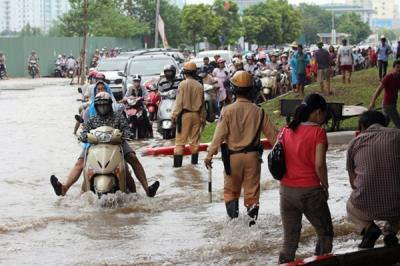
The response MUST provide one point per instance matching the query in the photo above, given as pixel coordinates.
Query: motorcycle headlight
(103, 137)
(166, 124)
(172, 94)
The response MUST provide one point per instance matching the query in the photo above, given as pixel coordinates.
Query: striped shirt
(374, 158)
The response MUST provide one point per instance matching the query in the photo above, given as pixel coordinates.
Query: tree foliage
(104, 19)
(315, 20)
(29, 31)
(226, 27)
(145, 11)
(198, 21)
(352, 23)
(271, 22)
(390, 34)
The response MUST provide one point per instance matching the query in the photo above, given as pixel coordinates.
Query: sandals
(153, 189)
(57, 186)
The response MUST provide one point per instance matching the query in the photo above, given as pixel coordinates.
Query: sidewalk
(29, 83)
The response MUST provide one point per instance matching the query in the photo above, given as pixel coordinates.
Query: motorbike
(284, 79)
(138, 120)
(210, 101)
(165, 126)
(70, 73)
(154, 101)
(104, 171)
(33, 71)
(360, 62)
(58, 71)
(3, 72)
(269, 84)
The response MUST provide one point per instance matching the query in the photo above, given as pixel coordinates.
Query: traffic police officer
(239, 126)
(189, 114)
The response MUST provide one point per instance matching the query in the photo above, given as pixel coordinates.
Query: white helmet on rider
(103, 103)
(136, 77)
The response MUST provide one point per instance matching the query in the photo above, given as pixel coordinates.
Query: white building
(386, 12)
(15, 14)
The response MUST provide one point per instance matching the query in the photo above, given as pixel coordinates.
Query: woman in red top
(304, 188)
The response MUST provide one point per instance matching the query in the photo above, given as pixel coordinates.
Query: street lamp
(333, 33)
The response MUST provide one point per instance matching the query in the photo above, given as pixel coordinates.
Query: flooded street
(178, 226)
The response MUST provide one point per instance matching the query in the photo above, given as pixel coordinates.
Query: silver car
(110, 68)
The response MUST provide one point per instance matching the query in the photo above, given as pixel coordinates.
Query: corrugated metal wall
(18, 49)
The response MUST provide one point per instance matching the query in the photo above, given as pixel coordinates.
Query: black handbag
(276, 159)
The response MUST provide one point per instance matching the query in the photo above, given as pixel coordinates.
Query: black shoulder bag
(276, 159)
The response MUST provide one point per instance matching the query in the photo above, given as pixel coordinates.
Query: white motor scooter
(165, 126)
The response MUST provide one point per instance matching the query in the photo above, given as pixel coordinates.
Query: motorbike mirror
(79, 119)
(121, 74)
(80, 90)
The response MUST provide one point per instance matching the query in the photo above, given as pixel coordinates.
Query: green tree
(55, 30)
(262, 24)
(145, 11)
(352, 23)
(390, 34)
(228, 27)
(28, 31)
(198, 21)
(291, 20)
(104, 18)
(314, 20)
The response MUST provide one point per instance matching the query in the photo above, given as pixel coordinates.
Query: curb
(341, 137)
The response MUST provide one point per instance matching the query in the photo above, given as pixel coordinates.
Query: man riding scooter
(105, 116)
(170, 81)
(167, 87)
(33, 59)
(135, 101)
(137, 90)
(3, 71)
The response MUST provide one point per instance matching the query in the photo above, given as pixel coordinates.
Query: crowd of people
(104, 53)
(304, 188)
(300, 66)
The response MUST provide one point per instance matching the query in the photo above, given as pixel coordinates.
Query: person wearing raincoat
(298, 62)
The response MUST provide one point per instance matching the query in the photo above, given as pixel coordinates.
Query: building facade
(366, 13)
(15, 14)
(386, 12)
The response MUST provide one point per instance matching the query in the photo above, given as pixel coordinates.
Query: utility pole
(333, 34)
(83, 49)
(156, 27)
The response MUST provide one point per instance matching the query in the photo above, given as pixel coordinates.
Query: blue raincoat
(91, 110)
(293, 66)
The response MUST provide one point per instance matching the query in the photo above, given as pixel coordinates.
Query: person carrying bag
(304, 185)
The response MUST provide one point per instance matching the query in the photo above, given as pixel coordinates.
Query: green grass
(359, 91)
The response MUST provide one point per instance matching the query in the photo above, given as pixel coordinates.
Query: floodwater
(178, 226)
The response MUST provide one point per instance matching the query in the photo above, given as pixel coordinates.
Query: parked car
(147, 65)
(198, 61)
(225, 54)
(110, 68)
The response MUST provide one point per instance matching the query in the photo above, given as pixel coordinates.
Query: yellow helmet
(242, 79)
(189, 66)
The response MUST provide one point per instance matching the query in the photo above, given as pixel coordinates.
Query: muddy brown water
(178, 226)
